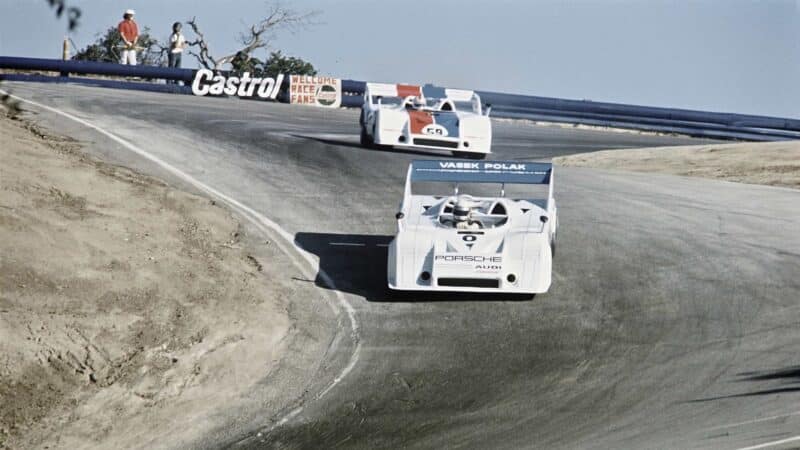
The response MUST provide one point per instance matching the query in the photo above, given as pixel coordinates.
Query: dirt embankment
(128, 310)
(773, 163)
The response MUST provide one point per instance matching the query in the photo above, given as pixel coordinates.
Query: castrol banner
(206, 82)
(316, 91)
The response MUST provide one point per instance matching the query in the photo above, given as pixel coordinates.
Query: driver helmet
(419, 102)
(462, 208)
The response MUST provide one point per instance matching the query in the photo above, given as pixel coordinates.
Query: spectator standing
(130, 36)
(176, 45)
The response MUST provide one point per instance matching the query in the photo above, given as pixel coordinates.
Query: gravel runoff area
(128, 309)
(773, 163)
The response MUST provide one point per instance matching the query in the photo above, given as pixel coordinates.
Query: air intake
(436, 143)
(469, 282)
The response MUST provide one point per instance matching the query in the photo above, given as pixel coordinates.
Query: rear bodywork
(445, 119)
(512, 249)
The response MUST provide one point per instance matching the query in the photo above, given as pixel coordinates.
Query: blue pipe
(116, 84)
(96, 68)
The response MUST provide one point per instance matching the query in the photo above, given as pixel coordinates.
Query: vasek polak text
(481, 166)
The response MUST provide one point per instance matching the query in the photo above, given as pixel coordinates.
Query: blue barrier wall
(601, 108)
(354, 87)
(672, 120)
(99, 82)
(696, 129)
(518, 103)
(95, 68)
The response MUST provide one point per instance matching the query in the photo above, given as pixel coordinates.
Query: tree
(108, 45)
(277, 63)
(258, 36)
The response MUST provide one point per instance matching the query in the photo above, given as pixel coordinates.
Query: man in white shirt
(176, 45)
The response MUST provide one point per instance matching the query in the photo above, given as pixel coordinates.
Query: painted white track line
(260, 221)
(773, 443)
(754, 421)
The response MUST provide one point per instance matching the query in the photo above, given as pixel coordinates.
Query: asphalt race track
(672, 321)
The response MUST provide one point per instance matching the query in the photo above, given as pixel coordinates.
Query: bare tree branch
(259, 36)
(157, 53)
(73, 13)
(204, 56)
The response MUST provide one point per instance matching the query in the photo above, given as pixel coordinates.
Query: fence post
(65, 49)
(65, 54)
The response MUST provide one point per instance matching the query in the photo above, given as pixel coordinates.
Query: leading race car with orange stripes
(406, 116)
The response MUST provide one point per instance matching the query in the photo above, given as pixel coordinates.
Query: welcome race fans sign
(324, 92)
(316, 91)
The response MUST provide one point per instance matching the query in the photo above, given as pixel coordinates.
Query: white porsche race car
(499, 239)
(446, 119)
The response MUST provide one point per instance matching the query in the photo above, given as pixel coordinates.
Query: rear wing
(409, 90)
(498, 172)
(391, 90)
(457, 95)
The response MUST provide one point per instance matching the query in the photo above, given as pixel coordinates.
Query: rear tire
(366, 140)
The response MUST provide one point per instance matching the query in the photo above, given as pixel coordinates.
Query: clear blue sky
(723, 55)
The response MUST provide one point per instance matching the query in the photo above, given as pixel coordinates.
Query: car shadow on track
(356, 263)
(350, 144)
(787, 375)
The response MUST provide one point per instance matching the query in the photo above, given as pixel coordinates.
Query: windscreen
(384, 100)
(465, 106)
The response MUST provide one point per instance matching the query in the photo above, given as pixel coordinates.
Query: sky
(716, 55)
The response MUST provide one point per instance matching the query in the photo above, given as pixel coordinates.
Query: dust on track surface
(671, 321)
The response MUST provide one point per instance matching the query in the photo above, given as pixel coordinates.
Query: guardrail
(512, 106)
(100, 82)
(65, 68)
(645, 118)
(616, 109)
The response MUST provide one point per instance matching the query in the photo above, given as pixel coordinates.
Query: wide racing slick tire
(469, 155)
(366, 139)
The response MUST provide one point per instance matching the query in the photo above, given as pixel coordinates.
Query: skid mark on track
(257, 219)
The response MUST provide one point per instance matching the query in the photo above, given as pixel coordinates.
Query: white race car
(446, 119)
(500, 239)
